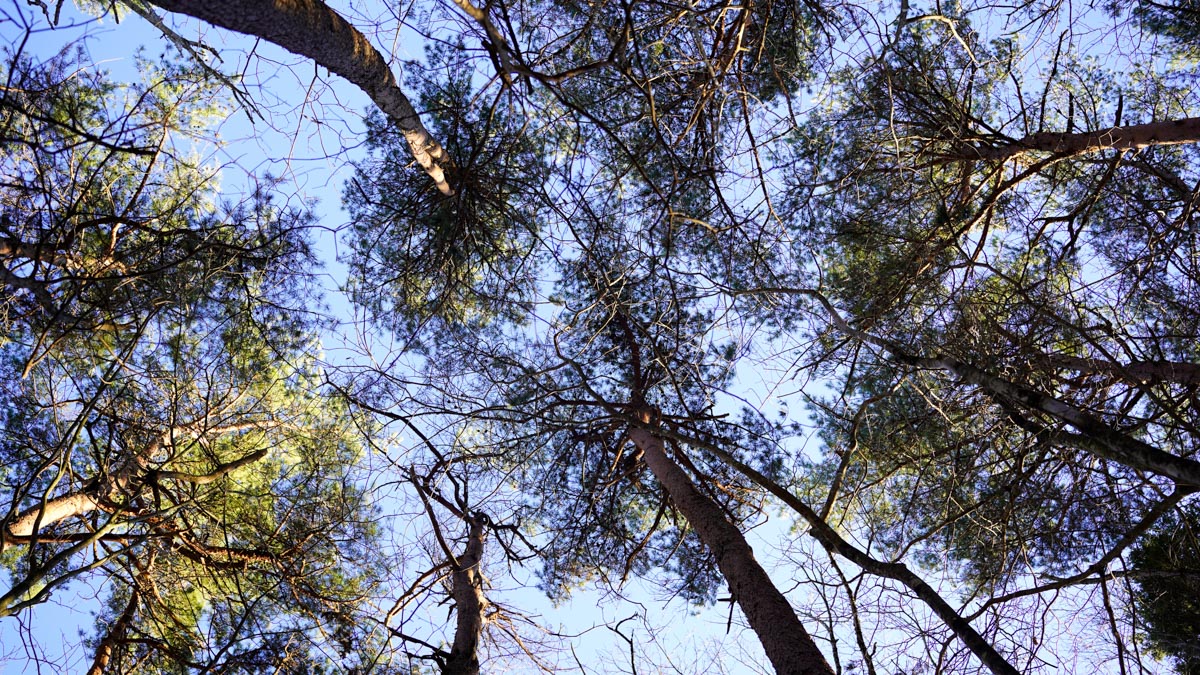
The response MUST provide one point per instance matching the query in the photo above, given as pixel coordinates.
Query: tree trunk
(470, 603)
(116, 635)
(788, 646)
(1132, 137)
(311, 29)
(833, 542)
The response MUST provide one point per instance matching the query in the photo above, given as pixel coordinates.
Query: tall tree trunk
(788, 646)
(311, 29)
(832, 541)
(469, 601)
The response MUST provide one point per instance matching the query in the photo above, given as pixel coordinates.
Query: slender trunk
(312, 29)
(1132, 137)
(1095, 436)
(788, 646)
(469, 602)
(115, 636)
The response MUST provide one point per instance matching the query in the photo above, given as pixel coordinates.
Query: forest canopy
(772, 336)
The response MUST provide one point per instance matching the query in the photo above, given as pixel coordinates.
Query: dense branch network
(970, 256)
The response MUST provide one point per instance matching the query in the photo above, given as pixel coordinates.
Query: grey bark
(312, 29)
(788, 645)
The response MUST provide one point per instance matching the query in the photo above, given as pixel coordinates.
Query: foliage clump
(1166, 566)
(464, 259)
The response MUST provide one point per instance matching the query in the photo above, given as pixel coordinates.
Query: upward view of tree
(877, 322)
(164, 430)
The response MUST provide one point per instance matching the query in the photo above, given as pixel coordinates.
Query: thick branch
(312, 29)
(1099, 438)
(832, 541)
(1132, 137)
(130, 472)
(11, 247)
(1178, 372)
(21, 528)
(1095, 436)
(222, 556)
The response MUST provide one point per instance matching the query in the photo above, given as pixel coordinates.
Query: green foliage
(783, 47)
(1166, 567)
(465, 259)
(159, 364)
(871, 192)
(112, 217)
(1178, 20)
(646, 210)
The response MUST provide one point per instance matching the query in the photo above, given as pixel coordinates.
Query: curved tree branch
(312, 29)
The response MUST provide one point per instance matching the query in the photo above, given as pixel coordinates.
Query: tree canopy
(877, 322)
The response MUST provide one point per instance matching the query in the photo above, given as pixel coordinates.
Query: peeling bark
(788, 645)
(312, 29)
(469, 601)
